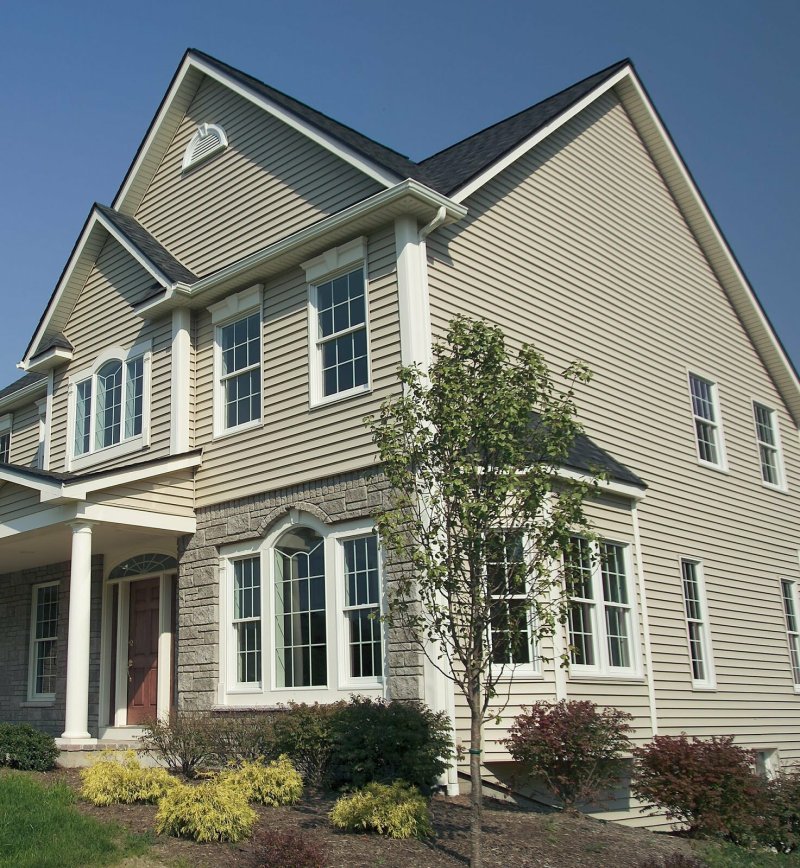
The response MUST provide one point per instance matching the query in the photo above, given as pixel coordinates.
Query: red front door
(143, 651)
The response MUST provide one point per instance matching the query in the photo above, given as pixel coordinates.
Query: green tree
(477, 513)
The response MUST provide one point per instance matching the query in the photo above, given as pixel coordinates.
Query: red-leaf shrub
(288, 849)
(780, 828)
(575, 748)
(707, 784)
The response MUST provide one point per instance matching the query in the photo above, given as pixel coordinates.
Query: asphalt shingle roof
(22, 383)
(585, 455)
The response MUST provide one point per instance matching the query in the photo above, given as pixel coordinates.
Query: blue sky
(82, 80)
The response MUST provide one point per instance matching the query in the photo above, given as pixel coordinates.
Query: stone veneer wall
(15, 637)
(335, 499)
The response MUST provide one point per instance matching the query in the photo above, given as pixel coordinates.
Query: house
(187, 483)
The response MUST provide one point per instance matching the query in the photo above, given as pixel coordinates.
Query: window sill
(717, 468)
(318, 403)
(607, 676)
(781, 489)
(43, 702)
(108, 453)
(704, 688)
(239, 429)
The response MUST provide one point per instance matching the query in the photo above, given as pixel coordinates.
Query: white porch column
(80, 593)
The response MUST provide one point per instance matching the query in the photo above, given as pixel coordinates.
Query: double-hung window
(338, 322)
(707, 424)
(769, 449)
(600, 618)
(237, 361)
(697, 624)
(44, 641)
(507, 586)
(791, 609)
(304, 614)
(109, 405)
(5, 438)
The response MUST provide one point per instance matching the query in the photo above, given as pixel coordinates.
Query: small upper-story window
(791, 607)
(694, 602)
(209, 139)
(338, 312)
(5, 438)
(237, 361)
(769, 446)
(707, 422)
(109, 403)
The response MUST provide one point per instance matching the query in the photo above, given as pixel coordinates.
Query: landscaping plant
(184, 741)
(210, 811)
(23, 747)
(574, 747)
(708, 784)
(288, 849)
(396, 810)
(276, 783)
(122, 780)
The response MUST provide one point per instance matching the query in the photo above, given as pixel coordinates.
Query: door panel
(143, 651)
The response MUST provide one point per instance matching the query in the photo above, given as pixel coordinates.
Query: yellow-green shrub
(396, 810)
(121, 779)
(211, 811)
(277, 783)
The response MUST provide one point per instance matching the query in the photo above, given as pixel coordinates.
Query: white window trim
(42, 408)
(202, 132)
(340, 684)
(235, 307)
(709, 683)
(333, 263)
(525, 671)
(603, 670)
(126, 445)
(721, 465)
(6, 424)
(794, 590)
(781, 485)
(33, 696)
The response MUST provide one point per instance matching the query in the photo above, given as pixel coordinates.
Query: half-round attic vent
(207, 141)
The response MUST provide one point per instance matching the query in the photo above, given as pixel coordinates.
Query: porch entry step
(81, 754)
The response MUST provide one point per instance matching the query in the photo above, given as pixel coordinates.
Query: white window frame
(339, 682)
(33, 696)
(126, 445)
(319, 270)
(5, 435)
(531, 669)
(709, 682)
(41, 446)
(599, 635)
(776, 447)
(236, 307)
(790, 595)
(716, 423)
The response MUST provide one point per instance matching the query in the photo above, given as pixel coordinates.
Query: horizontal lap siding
(270, 182)
(173, 495)
(580, 249)
(103, 318)
(25, 436)
(295, 443)
(16, 502)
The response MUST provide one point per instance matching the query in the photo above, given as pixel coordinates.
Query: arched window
(143, 565)
(209, 139)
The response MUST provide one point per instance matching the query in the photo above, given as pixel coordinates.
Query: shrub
(184, 741)
(396, 810)
(277, 783)
(707, 784)
(672, 860)
(26, 748)
(779, 828)
(376, 740)
(288, 850)
(573, 747)
(303, 733)
(114, 779)
(210, 811)
(237, 738)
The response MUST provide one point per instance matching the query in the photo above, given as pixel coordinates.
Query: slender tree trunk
(476, 782)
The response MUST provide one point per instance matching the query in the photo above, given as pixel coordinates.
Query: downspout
(441, 216)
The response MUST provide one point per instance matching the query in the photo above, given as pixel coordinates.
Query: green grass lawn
(40, 828)
(720, 855)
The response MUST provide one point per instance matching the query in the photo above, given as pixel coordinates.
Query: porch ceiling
(53, 544)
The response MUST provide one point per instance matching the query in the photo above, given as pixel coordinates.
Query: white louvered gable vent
(207, 141)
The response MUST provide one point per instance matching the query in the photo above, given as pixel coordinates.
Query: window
(238, 348)
(41, 448)
(697, 624)
(790, 609)
(600, 619)
(44, 641)
(708, 429)
(108, 405)
(304, 614)
(506, 574)
(5, 438)
(768, 445)
(209, 139)
(338, 330)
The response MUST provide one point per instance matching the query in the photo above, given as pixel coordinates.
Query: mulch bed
(512, 837)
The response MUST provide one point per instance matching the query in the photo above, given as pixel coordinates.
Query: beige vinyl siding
(25, 436)
(579, 248)
(17, 501)
(173, 495)
(297, 443)
(269, 182)
(103, 318)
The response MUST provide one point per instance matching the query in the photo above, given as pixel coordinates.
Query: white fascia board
(50, 359)
(531, 142)
(48, 489)
(409, 187)
(607, 486)
(148, 266)
(20, 396)
(138, 518)
(38, 520)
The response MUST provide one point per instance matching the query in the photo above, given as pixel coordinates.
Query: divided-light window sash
(240, 370)
(696, 623)
(768, 445)
(44, 641)
(5, 447)
(362, 607)
(246, 620)
(510, 634)
(789, 593)
(707, 427)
